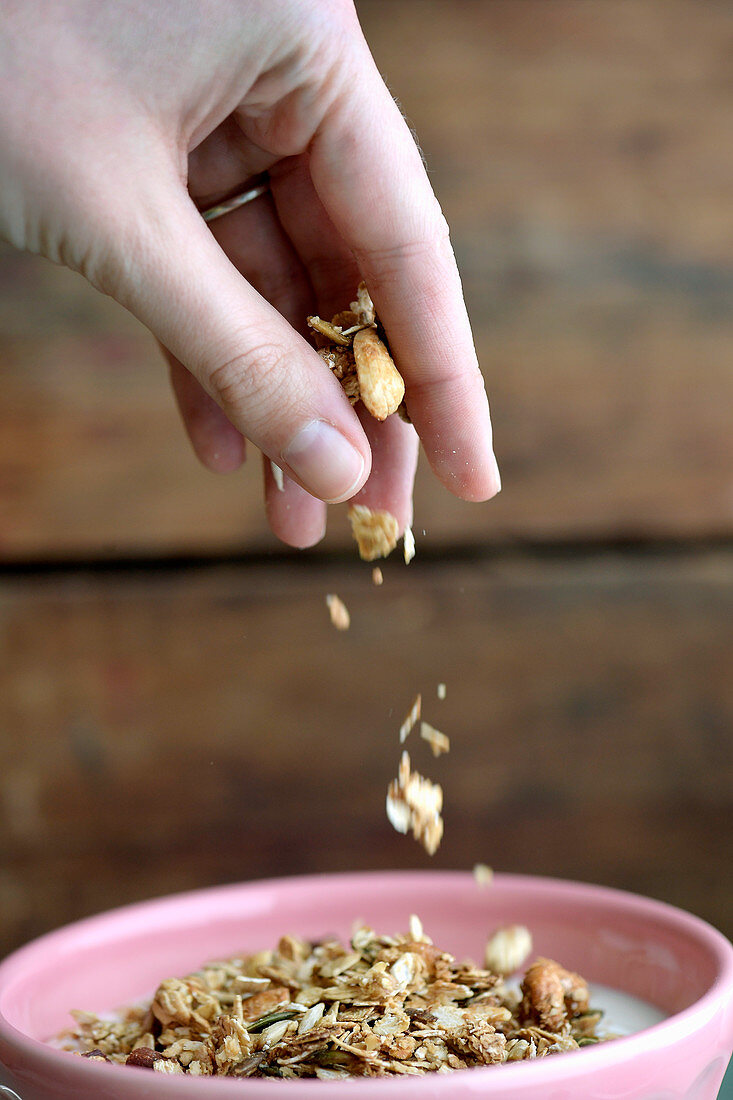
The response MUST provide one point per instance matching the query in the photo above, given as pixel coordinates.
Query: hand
(119, 121)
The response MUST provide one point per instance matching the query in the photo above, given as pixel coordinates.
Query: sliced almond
(380, 383)
(375, 531)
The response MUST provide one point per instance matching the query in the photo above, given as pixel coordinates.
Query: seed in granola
(381, 385)
(439, 742)
(411, 718)
(507, 949)
(377, 576)
(375, 531)
(408, 540)
(441, 691)
(338, 611)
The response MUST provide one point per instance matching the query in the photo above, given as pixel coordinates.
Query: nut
(381, 385)
(143, 1057)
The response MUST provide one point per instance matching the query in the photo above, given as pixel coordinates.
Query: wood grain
(162, 731)
(582, 155)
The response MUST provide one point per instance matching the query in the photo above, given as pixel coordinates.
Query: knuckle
(251, 380)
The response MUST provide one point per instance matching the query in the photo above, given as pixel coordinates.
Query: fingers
(369, 175)
(217, 443)
(271, 385)
(334, 275)
(394, 463)
(294, 515)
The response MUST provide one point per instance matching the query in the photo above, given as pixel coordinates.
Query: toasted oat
(338, 611)
(374, 531)
(380, 1006)
(414, 802)
(377, 576)
(441, 691)
(438, 741)
(408, 540)
(508, 948)
(413, 715)
(363, 307)
(483, 874)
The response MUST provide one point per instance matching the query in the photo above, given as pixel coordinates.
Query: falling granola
(338, 611)
(383, 1006)
(412, 716)
(375, 531)
(408, 542)
(439, 742)
(415, 803)
(483, 874)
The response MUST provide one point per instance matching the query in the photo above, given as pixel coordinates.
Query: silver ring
(234, 203)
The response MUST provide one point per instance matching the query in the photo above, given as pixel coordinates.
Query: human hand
(118, 122)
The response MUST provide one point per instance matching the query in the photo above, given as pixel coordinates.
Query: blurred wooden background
(175, 709)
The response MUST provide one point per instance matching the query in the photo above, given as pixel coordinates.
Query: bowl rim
(659, 1036)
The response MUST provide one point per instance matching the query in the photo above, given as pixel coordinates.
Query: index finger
(369, 175)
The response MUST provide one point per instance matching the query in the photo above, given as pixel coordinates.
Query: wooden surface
(582, 154)
(169, 731)
(164, 728)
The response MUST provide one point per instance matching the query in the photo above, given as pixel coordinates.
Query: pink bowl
(645, 948)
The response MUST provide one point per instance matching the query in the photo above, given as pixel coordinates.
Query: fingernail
(324, 461)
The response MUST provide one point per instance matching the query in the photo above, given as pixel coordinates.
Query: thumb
(169, 271)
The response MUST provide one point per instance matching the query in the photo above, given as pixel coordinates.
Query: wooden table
(177, 710)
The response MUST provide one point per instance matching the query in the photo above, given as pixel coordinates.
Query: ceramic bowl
(642, 947)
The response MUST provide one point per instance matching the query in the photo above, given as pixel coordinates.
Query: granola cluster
(354, 346)
(383, 1006)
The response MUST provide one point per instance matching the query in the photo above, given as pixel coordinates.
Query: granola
(355, 348)
(338, 611)
(415, 803)
(382, 1006)
(375, 531)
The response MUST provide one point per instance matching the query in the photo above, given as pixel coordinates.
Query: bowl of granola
(297, 985)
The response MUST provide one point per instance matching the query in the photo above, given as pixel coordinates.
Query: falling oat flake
(438, 741)
(483, 874)
(338, 611)
(411, 718)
